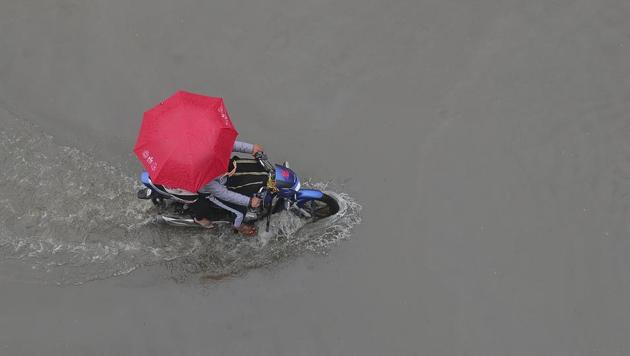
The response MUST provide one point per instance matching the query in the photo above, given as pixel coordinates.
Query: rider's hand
(256, 149)
(254, 202)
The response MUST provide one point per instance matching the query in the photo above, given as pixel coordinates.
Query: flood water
(76, 219)
(479, 149)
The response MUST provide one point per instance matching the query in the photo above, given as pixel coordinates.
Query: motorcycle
(280, 191)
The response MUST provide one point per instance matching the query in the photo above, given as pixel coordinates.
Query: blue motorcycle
(278, 187)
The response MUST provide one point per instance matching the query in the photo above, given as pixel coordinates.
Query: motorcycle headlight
(297, 185)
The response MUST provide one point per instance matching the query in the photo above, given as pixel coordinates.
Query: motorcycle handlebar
(264, 160)
(261, 156)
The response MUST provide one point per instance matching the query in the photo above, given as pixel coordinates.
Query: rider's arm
(242, 147)
(219, 191)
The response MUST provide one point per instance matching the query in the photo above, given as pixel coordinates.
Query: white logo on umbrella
(150, 160)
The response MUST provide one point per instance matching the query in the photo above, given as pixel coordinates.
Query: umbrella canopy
(186, 140)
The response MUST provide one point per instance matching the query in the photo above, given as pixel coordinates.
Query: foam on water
(73, 219)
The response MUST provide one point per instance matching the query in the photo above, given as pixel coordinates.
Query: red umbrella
(186, 140)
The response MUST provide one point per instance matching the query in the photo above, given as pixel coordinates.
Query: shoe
(248, 230)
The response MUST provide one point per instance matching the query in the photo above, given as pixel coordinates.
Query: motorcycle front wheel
(321, 208)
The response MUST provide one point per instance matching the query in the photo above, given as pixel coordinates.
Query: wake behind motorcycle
(278, 187)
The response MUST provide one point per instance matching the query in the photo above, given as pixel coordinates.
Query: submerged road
(487, 142)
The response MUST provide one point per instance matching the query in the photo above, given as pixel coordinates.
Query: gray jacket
(217, 188)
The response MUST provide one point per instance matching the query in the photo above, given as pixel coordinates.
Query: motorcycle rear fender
(144, 178)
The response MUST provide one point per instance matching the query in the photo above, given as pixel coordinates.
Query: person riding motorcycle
(216, 195)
